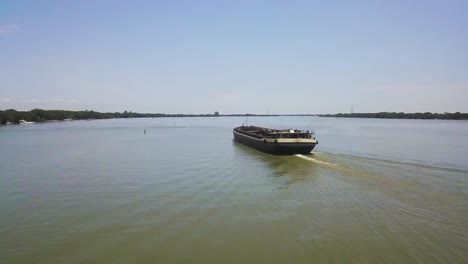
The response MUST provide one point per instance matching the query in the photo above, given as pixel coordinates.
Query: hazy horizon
(258, 57)
(225, 114)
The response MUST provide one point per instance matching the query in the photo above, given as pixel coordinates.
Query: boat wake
(316, 160)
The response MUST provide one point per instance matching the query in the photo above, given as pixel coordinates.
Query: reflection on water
(295, 169)
(104, 192)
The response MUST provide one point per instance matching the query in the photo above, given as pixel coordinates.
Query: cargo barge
(276, 141)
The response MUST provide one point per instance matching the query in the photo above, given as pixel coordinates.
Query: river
(103, 191)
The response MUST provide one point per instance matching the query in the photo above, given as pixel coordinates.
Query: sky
(235, 56)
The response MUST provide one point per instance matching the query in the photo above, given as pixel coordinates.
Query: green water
(375, 191)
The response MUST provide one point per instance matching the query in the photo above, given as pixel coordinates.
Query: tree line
(401, 115)
(40, 115)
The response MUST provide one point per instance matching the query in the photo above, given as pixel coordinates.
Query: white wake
(316, 160)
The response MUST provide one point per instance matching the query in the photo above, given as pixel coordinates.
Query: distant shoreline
(401, 115)
(12, 116)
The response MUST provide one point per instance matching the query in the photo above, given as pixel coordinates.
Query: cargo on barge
(276, 141)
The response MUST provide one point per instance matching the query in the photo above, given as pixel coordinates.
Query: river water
(374, 191)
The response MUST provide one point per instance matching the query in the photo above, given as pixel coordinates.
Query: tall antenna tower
(352, 109)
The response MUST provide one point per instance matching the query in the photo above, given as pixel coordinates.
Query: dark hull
(275, 148)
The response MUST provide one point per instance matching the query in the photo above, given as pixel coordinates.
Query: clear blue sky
(235, 56)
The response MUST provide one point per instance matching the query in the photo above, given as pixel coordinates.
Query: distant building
(216, 113)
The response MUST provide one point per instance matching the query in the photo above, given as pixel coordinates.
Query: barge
(276, 141)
